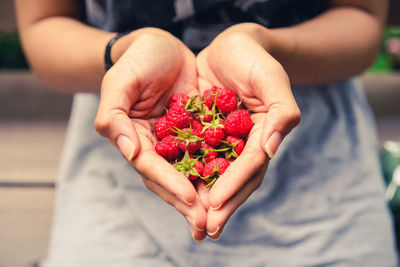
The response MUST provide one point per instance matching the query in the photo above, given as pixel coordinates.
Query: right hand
(236, 60)
(134, 93)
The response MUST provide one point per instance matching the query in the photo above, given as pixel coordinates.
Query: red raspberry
(199, 167)
(178, 117)
(209, 155)
(197, 128)
(237, 144)
(238, 123)
(207, 117)
(162, 128)
(168, 148)
(191, 168)
(178, 98)
(204, 117)
(214, 136)
(215, 167)
(189, 142)
(226, 100)
(209, 96)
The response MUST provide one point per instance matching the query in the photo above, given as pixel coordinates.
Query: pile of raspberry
(201, 136)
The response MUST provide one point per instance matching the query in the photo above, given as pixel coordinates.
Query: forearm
(66, 54)
(341, 42)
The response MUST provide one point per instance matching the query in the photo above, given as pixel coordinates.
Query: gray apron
(321, 202)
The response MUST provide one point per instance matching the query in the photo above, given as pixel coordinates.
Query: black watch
(107, 55)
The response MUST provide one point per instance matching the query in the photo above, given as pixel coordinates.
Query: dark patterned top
(196, 22)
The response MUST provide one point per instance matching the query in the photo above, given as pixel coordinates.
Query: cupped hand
(237, 61)
(134, 93)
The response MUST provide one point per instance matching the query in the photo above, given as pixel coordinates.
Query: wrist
(124, 42)
(120, 46)
(280, 42)
(253, 30)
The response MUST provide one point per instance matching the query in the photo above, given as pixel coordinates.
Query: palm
(134, 93)
(165, 69)
(225, 64)
(239, 78)
(230, 68)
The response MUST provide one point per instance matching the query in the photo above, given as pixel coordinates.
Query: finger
(283, 114)
(242, 169)
(217, 219)
(234, 179)
(150, 103)
(112, 121)
(198, 236)
(151, 165)
(195, 215)
(203, 193)
(204, 85)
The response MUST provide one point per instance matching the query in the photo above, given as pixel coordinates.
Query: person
(318, 203)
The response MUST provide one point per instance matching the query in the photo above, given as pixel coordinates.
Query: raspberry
(236, 146)
(209, 96)
(214, 136)
(187, 141)
(162, 128)
(217, 166)
(226, 100)
(197, 128)
(190, 147)
(208, 153)
(199, 167)
(204, 117)
(178, 117)
(168, 148)
(213, 132)
(178, 98)
(238, 123)
(191, 168)
(207, 117)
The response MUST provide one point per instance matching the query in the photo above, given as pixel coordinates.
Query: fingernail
(195, 226)
(213, 233)
(216, 239)
(193, 223)
(273, 143)
(196, 240)
(217, 207)
(184, 200)
(126, 147)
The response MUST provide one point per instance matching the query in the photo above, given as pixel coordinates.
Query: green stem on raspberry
(210, 184)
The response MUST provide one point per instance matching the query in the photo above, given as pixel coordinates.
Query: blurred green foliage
(11, 55)
(389, 57)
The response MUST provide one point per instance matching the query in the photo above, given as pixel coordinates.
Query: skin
(308, 54)
(341, 42)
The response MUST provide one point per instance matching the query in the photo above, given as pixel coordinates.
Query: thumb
(112, 120)
(282, 115)
(278, 122)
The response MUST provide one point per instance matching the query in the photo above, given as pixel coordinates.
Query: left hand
(237, 61)
(134, 93)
